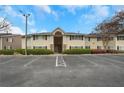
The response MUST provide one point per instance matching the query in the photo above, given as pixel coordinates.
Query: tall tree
(109, 27)
(4, 25)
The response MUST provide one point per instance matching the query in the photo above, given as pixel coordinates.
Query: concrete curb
(64, 55)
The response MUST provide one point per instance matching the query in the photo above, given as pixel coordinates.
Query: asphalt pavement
(62, 71)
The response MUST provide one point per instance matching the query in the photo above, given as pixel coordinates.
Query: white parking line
(64, 63)
(56, 61)
(30, 62)
(92, 62)
(113, 60)
(60, 61)
(11, 60)
(110, 62)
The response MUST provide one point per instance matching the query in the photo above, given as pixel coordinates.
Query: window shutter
(33, 37)
(70, 37)
(46, 37)
(82, 37)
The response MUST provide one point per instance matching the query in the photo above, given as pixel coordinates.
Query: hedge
(77, 51)
(34, 51)
(6, 52)
(102, 51)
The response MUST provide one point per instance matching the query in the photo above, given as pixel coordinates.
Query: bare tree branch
(109, 27)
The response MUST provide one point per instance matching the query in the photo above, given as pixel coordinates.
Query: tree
(109, 27)
(4, 25)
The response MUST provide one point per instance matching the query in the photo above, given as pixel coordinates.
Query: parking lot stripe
(60, 61)
(56, 61)
(115, 61)
(30, 62)
(63, 61)
(110, 62)
(92, 62)
(11, 60)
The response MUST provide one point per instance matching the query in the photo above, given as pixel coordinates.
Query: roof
(8, 35)
(1, 34)
(51, 33)
(73, 33)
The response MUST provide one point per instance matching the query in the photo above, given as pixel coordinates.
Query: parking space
(62, 71)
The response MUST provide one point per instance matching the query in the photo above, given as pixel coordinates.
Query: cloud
(10, 11)
(33, 30)
(96, 14)
(48, 10)
(44, 30)
(100, 10)
(118, 8)
(16, 30)
(72, 8)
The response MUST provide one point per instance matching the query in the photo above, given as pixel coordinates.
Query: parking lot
(62, 71)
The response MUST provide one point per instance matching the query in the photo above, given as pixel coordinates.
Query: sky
(44, 18)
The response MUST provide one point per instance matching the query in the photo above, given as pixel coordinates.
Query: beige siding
(68, 42)
(15, 44)
(119, 43)
(38, 42)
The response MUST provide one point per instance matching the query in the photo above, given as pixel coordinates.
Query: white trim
(1, 43)
(56, 61)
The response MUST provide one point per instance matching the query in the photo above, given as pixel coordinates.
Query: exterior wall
(67, 42)
(120, 43)
(15, 44)
(93, 43)
(38, 42)
(29, 43)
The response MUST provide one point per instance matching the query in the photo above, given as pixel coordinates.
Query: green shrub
(6, 52)
(120, 51)
(77, 51)
(34, 51)
(20, 51)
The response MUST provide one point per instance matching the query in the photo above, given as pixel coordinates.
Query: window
(39, 47)
(120, 47)
(120, 37)
(35, 37)
(76, 47)
(44, 37)
(88, 38)
(98, 47)
(87, 47)
(4, 47)
(9, 39)
(76, 37)
(99, 38)
(111, 38)
(9, 47)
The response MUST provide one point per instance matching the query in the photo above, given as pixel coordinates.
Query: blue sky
(76, 18)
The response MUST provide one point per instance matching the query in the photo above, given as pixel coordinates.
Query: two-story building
(59, 40)
(10, 41)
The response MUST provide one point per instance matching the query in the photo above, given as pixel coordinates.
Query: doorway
(58, 39)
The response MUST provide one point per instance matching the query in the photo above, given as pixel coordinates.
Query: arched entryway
(58, 39)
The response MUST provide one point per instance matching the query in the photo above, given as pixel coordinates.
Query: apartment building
(10, 41)
(58, 40)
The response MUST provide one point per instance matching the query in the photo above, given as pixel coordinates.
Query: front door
(58, 39)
